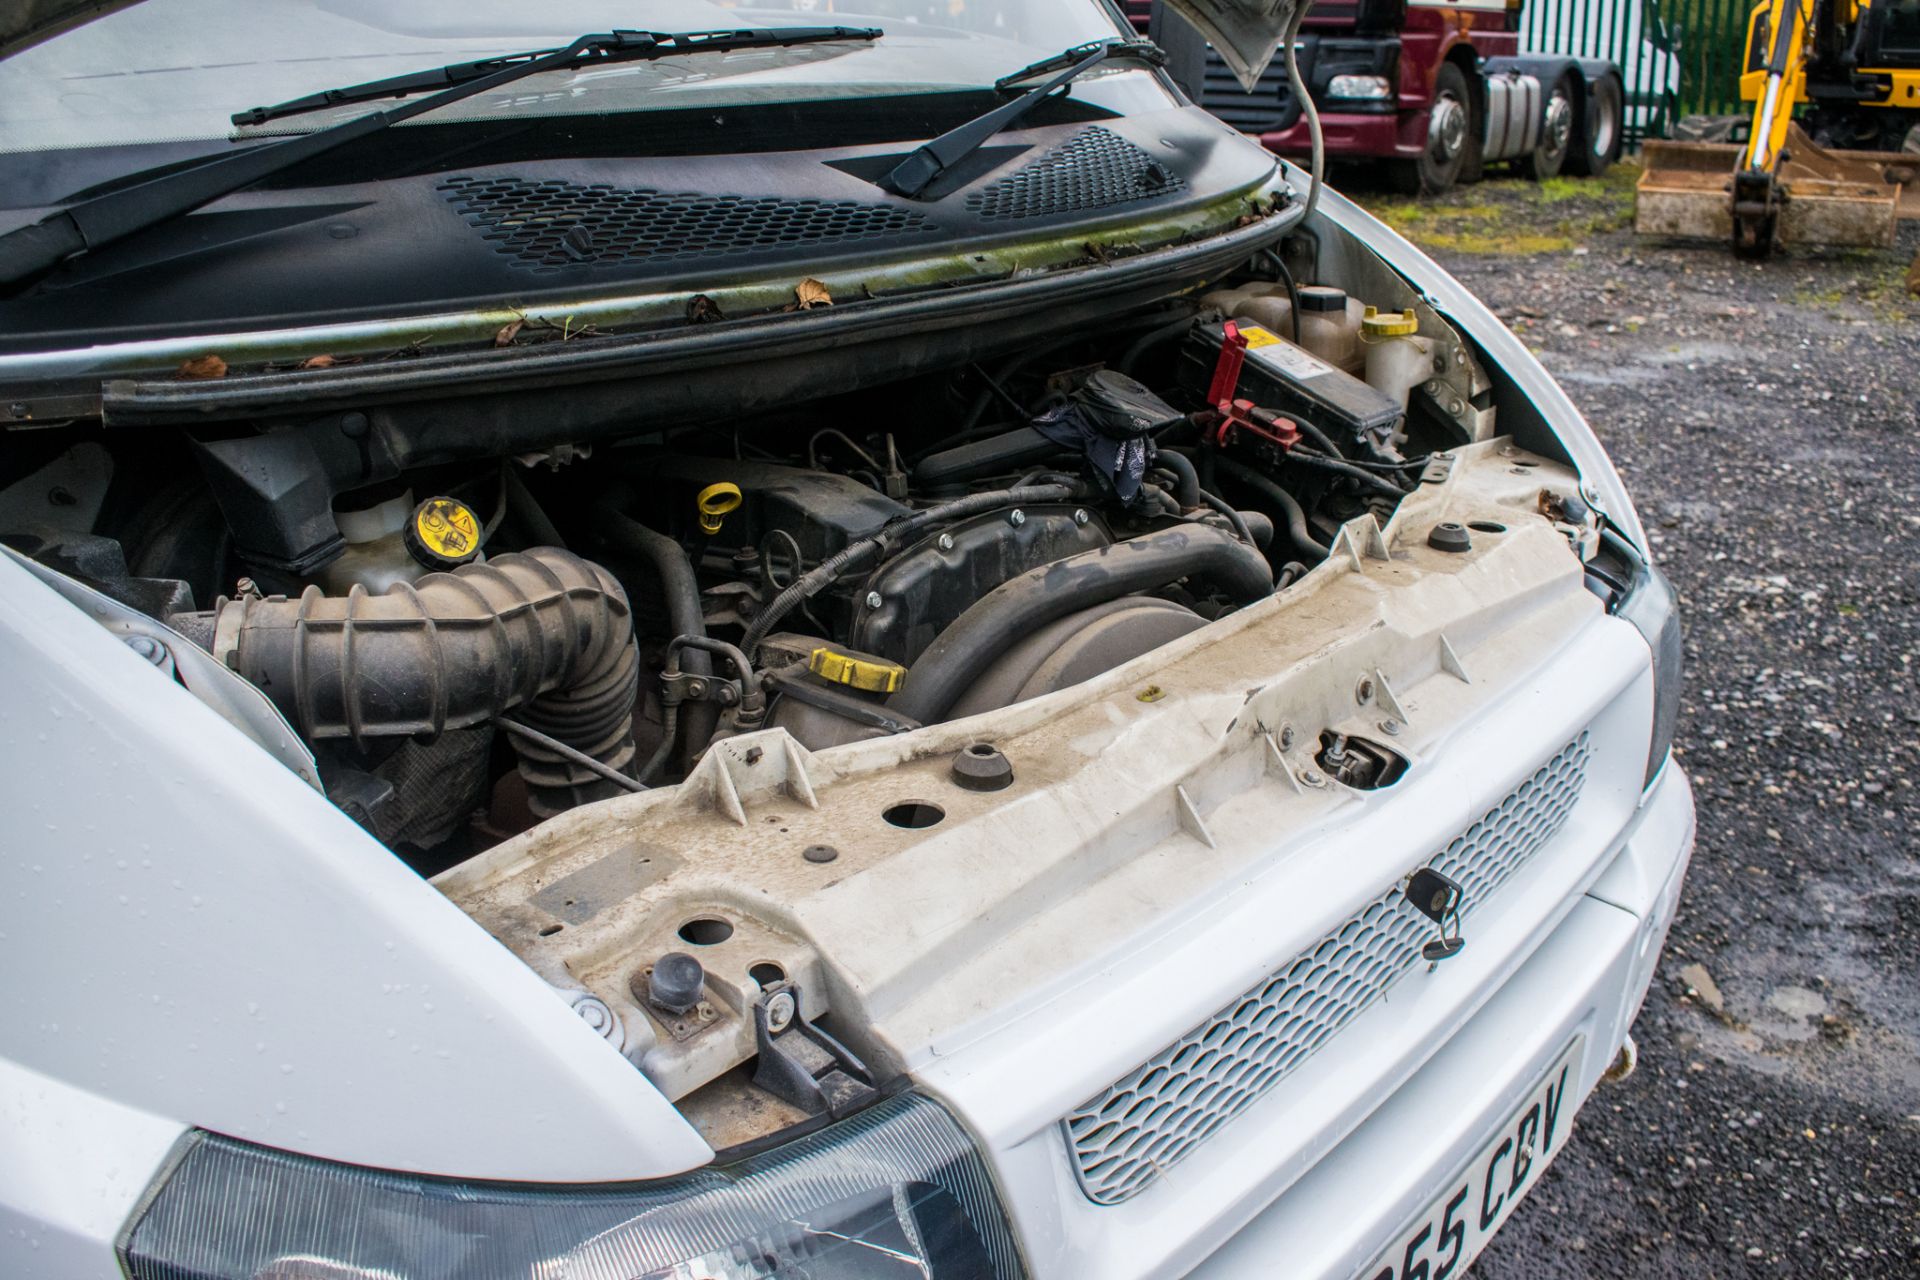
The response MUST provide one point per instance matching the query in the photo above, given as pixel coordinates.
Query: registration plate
(1442, 1241)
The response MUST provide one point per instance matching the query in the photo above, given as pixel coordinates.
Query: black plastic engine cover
(924, 588)
(822, 511)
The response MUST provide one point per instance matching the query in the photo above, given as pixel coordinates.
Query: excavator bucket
(1830, 197)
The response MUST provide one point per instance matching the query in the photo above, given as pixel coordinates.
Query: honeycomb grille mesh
(1094, 169)
(1148, 1121)
(550, 224)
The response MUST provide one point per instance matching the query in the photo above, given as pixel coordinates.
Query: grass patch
(1513, 216)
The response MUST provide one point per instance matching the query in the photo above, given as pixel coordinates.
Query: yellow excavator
(1833, 152)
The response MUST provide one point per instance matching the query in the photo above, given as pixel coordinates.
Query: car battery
(1292, 381)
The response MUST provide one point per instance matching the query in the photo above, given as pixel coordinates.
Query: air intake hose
(543, 634)
(1018, 606)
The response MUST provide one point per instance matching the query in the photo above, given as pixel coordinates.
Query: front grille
(1094, 169)
(1268, 109)
(552, 224)
(1154, 1117)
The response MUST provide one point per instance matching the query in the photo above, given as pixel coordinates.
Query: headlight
(1637, 592)
(1369, 88)
(897, 1190)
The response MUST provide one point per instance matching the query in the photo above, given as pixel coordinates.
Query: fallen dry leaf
(508, 332)
(318, 362)
(701, 309)
(207, 366)
(811, 293)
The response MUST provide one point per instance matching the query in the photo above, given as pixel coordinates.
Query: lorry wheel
(1601, 127)
(1451, 130)
(1556, 132)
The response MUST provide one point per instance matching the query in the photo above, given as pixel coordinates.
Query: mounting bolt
(1080, 516)
(819, 853)
(1286, 737)
(946, 542)
(696, 689)
(1391, 727)
(1312, 778)
(1016, 517)
(780, 1011)
(1363, 692)
(149, 648)
(875, 600)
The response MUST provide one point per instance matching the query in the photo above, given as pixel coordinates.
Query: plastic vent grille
(1151, 1119)
(550, 225)
(1267, 107)
(1094, 169)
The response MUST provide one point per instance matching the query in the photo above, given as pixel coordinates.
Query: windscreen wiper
(918, 171)
(28, 251)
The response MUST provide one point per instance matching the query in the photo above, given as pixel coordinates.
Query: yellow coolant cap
(1391, 325)
(442, 533)
(869, 674)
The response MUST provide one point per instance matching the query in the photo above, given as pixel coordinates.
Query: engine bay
(481, 644)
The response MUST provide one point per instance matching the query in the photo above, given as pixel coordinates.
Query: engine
(493, 640)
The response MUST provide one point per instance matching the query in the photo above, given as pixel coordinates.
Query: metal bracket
(677, 687)
(802, 1065)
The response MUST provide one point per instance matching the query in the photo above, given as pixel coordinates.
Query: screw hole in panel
(914, 815)
(706, 931)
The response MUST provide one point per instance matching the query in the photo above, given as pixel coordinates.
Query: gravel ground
(1765, 417)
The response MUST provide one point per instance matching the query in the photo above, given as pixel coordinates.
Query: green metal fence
(1676, 57)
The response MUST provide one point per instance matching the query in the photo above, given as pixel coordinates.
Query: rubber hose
(1317, 174)
(1260, 525)
(1343, 468)
(532, 516)
(1285, 277)
(1268, 488)
(542, 633)
(679, 588)
(1188, 490)
(998, 453)
(1151, 339)
(1012, 610)
(1319, 438)
(1241, 528)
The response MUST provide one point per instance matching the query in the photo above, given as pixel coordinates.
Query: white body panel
(197, 937)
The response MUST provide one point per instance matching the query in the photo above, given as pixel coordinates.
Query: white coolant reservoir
(376, 556)
(1330, 326)
(1398, 359)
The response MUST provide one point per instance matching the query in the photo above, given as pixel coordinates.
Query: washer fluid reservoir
(1398, 359)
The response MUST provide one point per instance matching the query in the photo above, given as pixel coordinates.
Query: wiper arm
(27, 251)
(918, 171)
(619, 46)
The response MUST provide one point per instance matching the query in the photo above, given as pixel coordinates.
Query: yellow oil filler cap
(714, 502)
(442, 533)
(1391, 325)
(868, 674)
